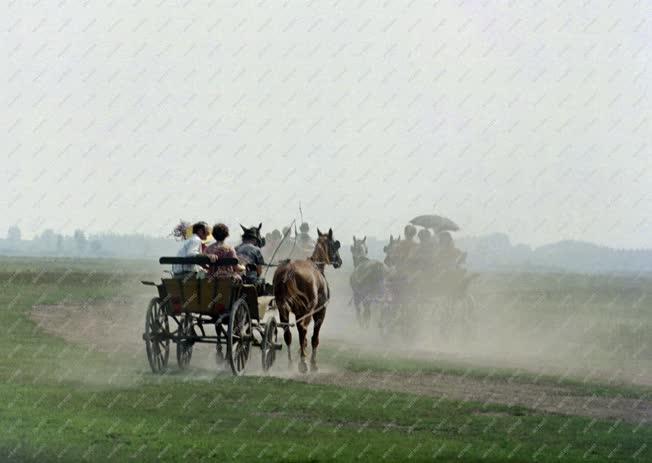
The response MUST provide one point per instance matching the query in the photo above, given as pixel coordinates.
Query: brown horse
(301, 288)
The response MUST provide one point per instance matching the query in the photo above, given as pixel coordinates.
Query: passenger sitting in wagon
(193, 247)
(222, 250)
(273, 240)
(407, 250)
(250, 254)
(425, 251)
(448, 256)
(305, 243)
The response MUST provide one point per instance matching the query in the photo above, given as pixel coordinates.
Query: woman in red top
(222, 250)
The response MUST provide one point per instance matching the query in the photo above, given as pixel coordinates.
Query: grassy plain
(69, 401)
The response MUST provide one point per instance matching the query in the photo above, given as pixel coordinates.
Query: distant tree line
(496, 252)
(492, 252)
(79, 244)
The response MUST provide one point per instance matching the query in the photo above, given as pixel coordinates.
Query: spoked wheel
(157, 336)
(238, 337)
(466, 309)
(456, 315)
(445, 306)
(268, 345)
(184, 346)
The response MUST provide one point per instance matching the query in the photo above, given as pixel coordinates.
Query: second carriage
(186, 310)
(411, 290)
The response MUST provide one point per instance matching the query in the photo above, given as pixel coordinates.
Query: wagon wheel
(239, 336)
(268, 345)
(157, 336)
(456, 315)
(184, 346)
(467, 313)
(445, 310)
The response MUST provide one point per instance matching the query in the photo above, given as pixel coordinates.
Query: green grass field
(64, 401)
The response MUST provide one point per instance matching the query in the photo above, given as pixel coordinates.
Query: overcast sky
(530, 117)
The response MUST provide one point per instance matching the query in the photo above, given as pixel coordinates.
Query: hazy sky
(530, 117)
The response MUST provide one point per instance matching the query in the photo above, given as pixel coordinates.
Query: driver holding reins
(250, 254)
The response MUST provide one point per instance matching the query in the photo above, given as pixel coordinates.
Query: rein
(320, 264)
(360, 260)
(309, 314)
(300, 319)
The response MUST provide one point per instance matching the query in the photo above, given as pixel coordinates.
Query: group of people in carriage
(252, 253)
(284, 244)
(248, 253)
(433, 257)
(416, 267)
(299, 285)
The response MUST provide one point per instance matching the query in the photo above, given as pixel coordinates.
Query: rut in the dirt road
(540, 397)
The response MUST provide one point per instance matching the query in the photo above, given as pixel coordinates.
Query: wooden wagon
(186, 307)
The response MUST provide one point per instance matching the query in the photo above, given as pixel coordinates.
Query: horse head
(359, 250)
(327, 250)
(391, 251)
(253, 233)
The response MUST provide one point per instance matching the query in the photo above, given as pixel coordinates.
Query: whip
(278, 246)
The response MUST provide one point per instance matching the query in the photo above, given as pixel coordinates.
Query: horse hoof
(303, 367)
(314, 368)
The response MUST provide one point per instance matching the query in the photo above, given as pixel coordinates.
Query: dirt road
(112, 328)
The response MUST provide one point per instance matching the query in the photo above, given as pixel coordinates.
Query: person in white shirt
(193, 246)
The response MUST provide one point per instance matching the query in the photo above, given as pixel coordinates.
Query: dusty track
(543, 398)
(115, 327)
(103, 328)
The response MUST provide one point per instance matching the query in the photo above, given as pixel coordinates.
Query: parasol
(436, 222)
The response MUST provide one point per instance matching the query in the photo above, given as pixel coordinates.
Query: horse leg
(358, 313)
(302, 347)
(356, 304)
(287, 337)
(367, 312)
(284, 316)
(319, 319)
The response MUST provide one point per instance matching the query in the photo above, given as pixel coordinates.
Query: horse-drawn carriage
(239, 315)
(441, 298)
(415, 283)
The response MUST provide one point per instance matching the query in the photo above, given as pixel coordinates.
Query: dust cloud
(579, 327)
(575, 326)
